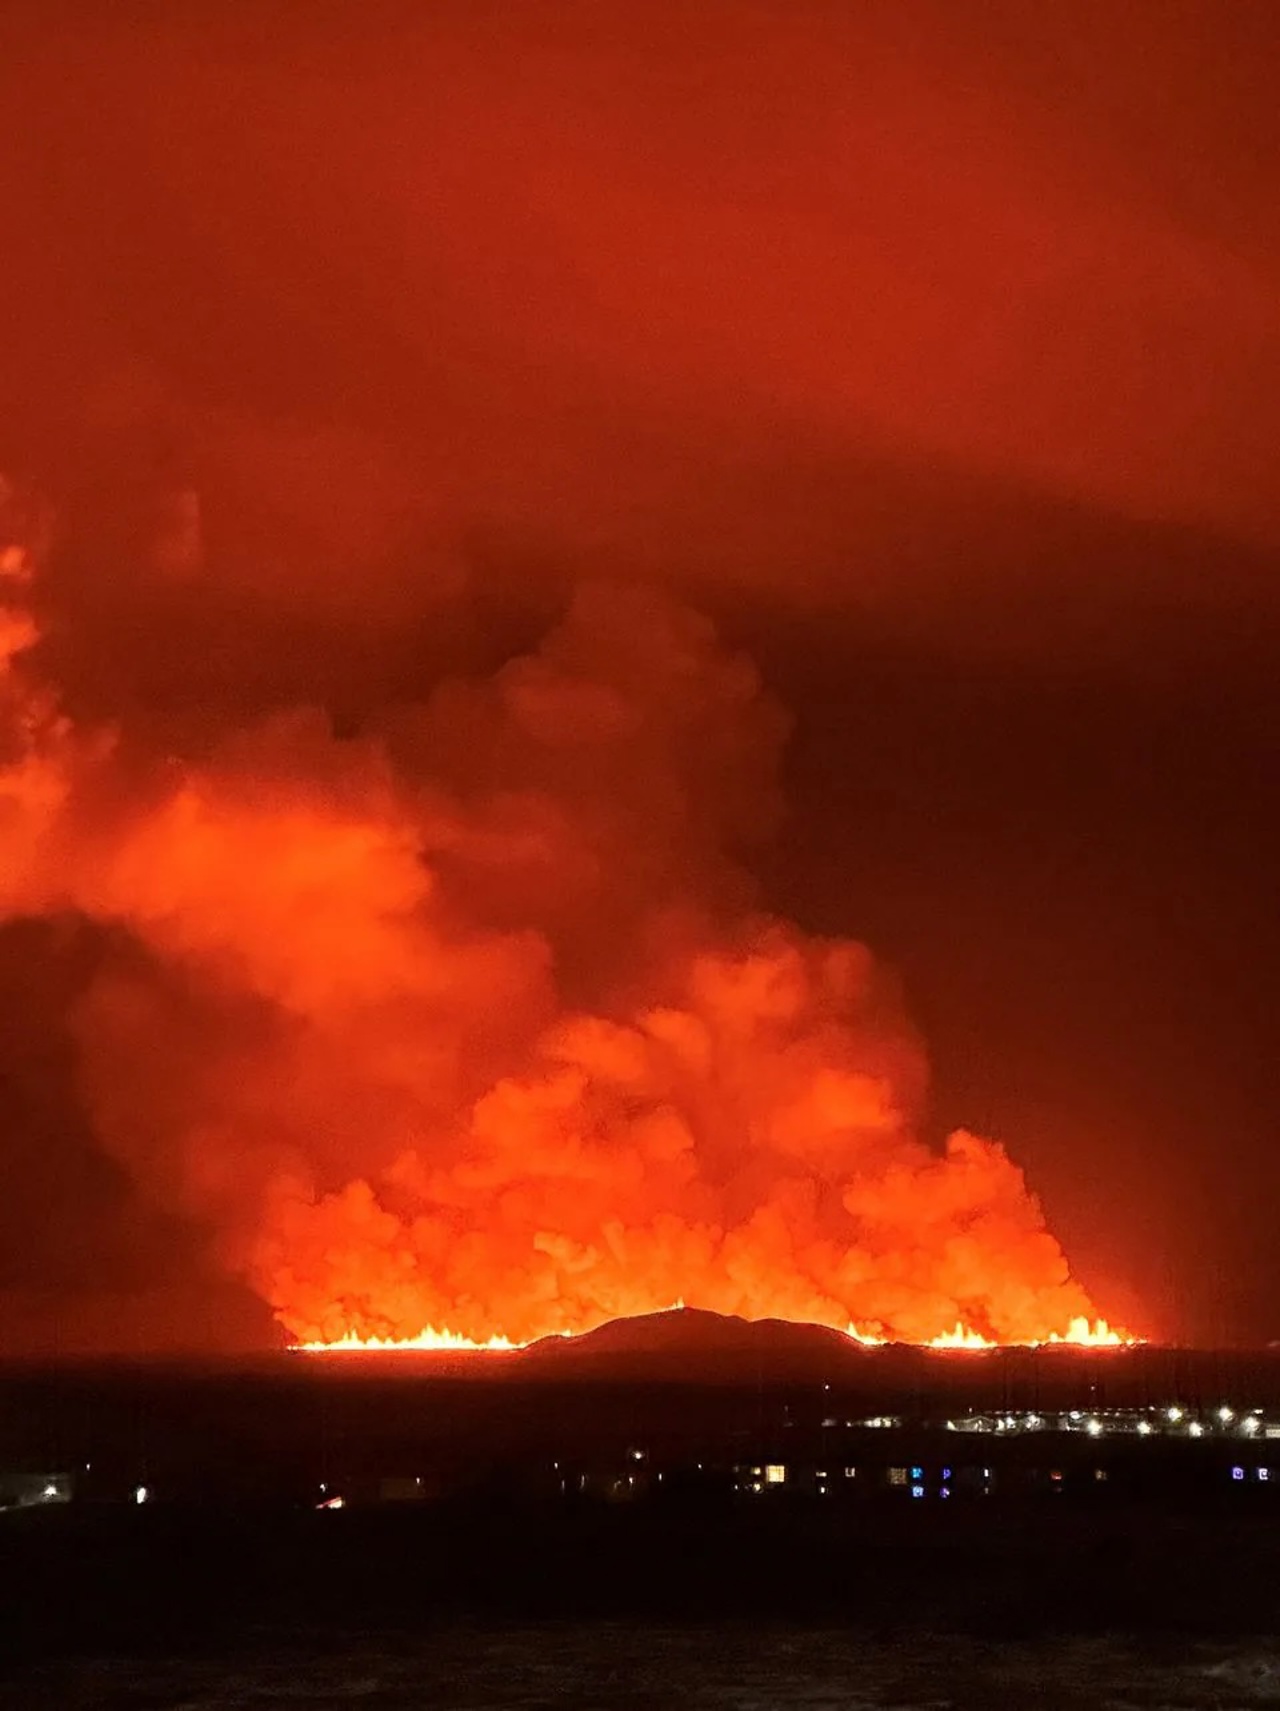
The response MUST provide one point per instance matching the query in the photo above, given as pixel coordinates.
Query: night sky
(932, 350)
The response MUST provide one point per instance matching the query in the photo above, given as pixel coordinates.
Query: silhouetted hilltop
(690, 1343)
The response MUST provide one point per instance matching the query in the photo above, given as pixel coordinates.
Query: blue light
(1237, 1473)
(917, 1490)
(945, 1492)
(946, 1473)
(917, 1473)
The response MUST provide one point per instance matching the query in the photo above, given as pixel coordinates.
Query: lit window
(775, 1473)
(897, 1476)
(850, 1472)
(1100, 1474)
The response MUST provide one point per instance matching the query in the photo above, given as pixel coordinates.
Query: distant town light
(1195, 1429)
(775, 1473)
(1225, 1415)
(50, 1491)
(1094, 1428)
(1174, 1415)
(141, 1494)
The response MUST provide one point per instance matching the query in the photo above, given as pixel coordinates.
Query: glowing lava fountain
(441, 1342)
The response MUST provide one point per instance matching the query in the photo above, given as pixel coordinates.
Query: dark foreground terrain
(644, 1667)
(473, 1605)
(758, 1521)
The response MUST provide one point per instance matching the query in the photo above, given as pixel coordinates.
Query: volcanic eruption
(470, 1025)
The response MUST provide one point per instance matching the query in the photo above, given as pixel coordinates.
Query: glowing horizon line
(1080, 1333)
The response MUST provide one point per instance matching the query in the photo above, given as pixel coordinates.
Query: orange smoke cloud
(474, 1021)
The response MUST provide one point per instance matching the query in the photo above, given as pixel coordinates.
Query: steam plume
(473, 1020)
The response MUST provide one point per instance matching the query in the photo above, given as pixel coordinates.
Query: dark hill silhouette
(691, 1344)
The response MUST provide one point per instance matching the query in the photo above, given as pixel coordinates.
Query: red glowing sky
(935, 353)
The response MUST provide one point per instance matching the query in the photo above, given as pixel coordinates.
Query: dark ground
(229, 1588)
(470, 1605)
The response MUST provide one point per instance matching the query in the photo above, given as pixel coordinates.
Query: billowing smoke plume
(473, 1020)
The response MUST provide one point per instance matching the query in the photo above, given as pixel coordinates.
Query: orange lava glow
(1080, 1333)
(439, 1342)
(960, 1338)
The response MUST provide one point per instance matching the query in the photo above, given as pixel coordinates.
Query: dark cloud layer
(935, 352)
